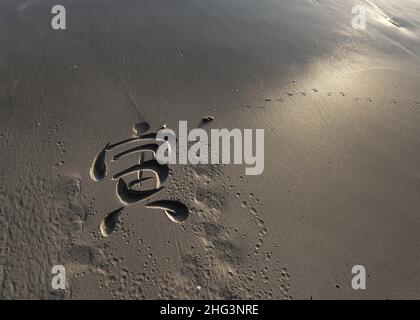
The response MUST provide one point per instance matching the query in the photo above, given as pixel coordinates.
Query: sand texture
(341, 113)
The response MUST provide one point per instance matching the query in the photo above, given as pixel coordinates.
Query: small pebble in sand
(208, 119)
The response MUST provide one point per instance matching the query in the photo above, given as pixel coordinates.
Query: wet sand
(340, 108)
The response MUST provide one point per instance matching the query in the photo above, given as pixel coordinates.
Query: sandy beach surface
(340, 108)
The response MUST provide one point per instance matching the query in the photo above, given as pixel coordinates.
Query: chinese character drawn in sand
(139, 182)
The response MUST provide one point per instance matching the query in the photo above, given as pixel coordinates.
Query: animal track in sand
(296, 93)
(223, 241)
(42, 221)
